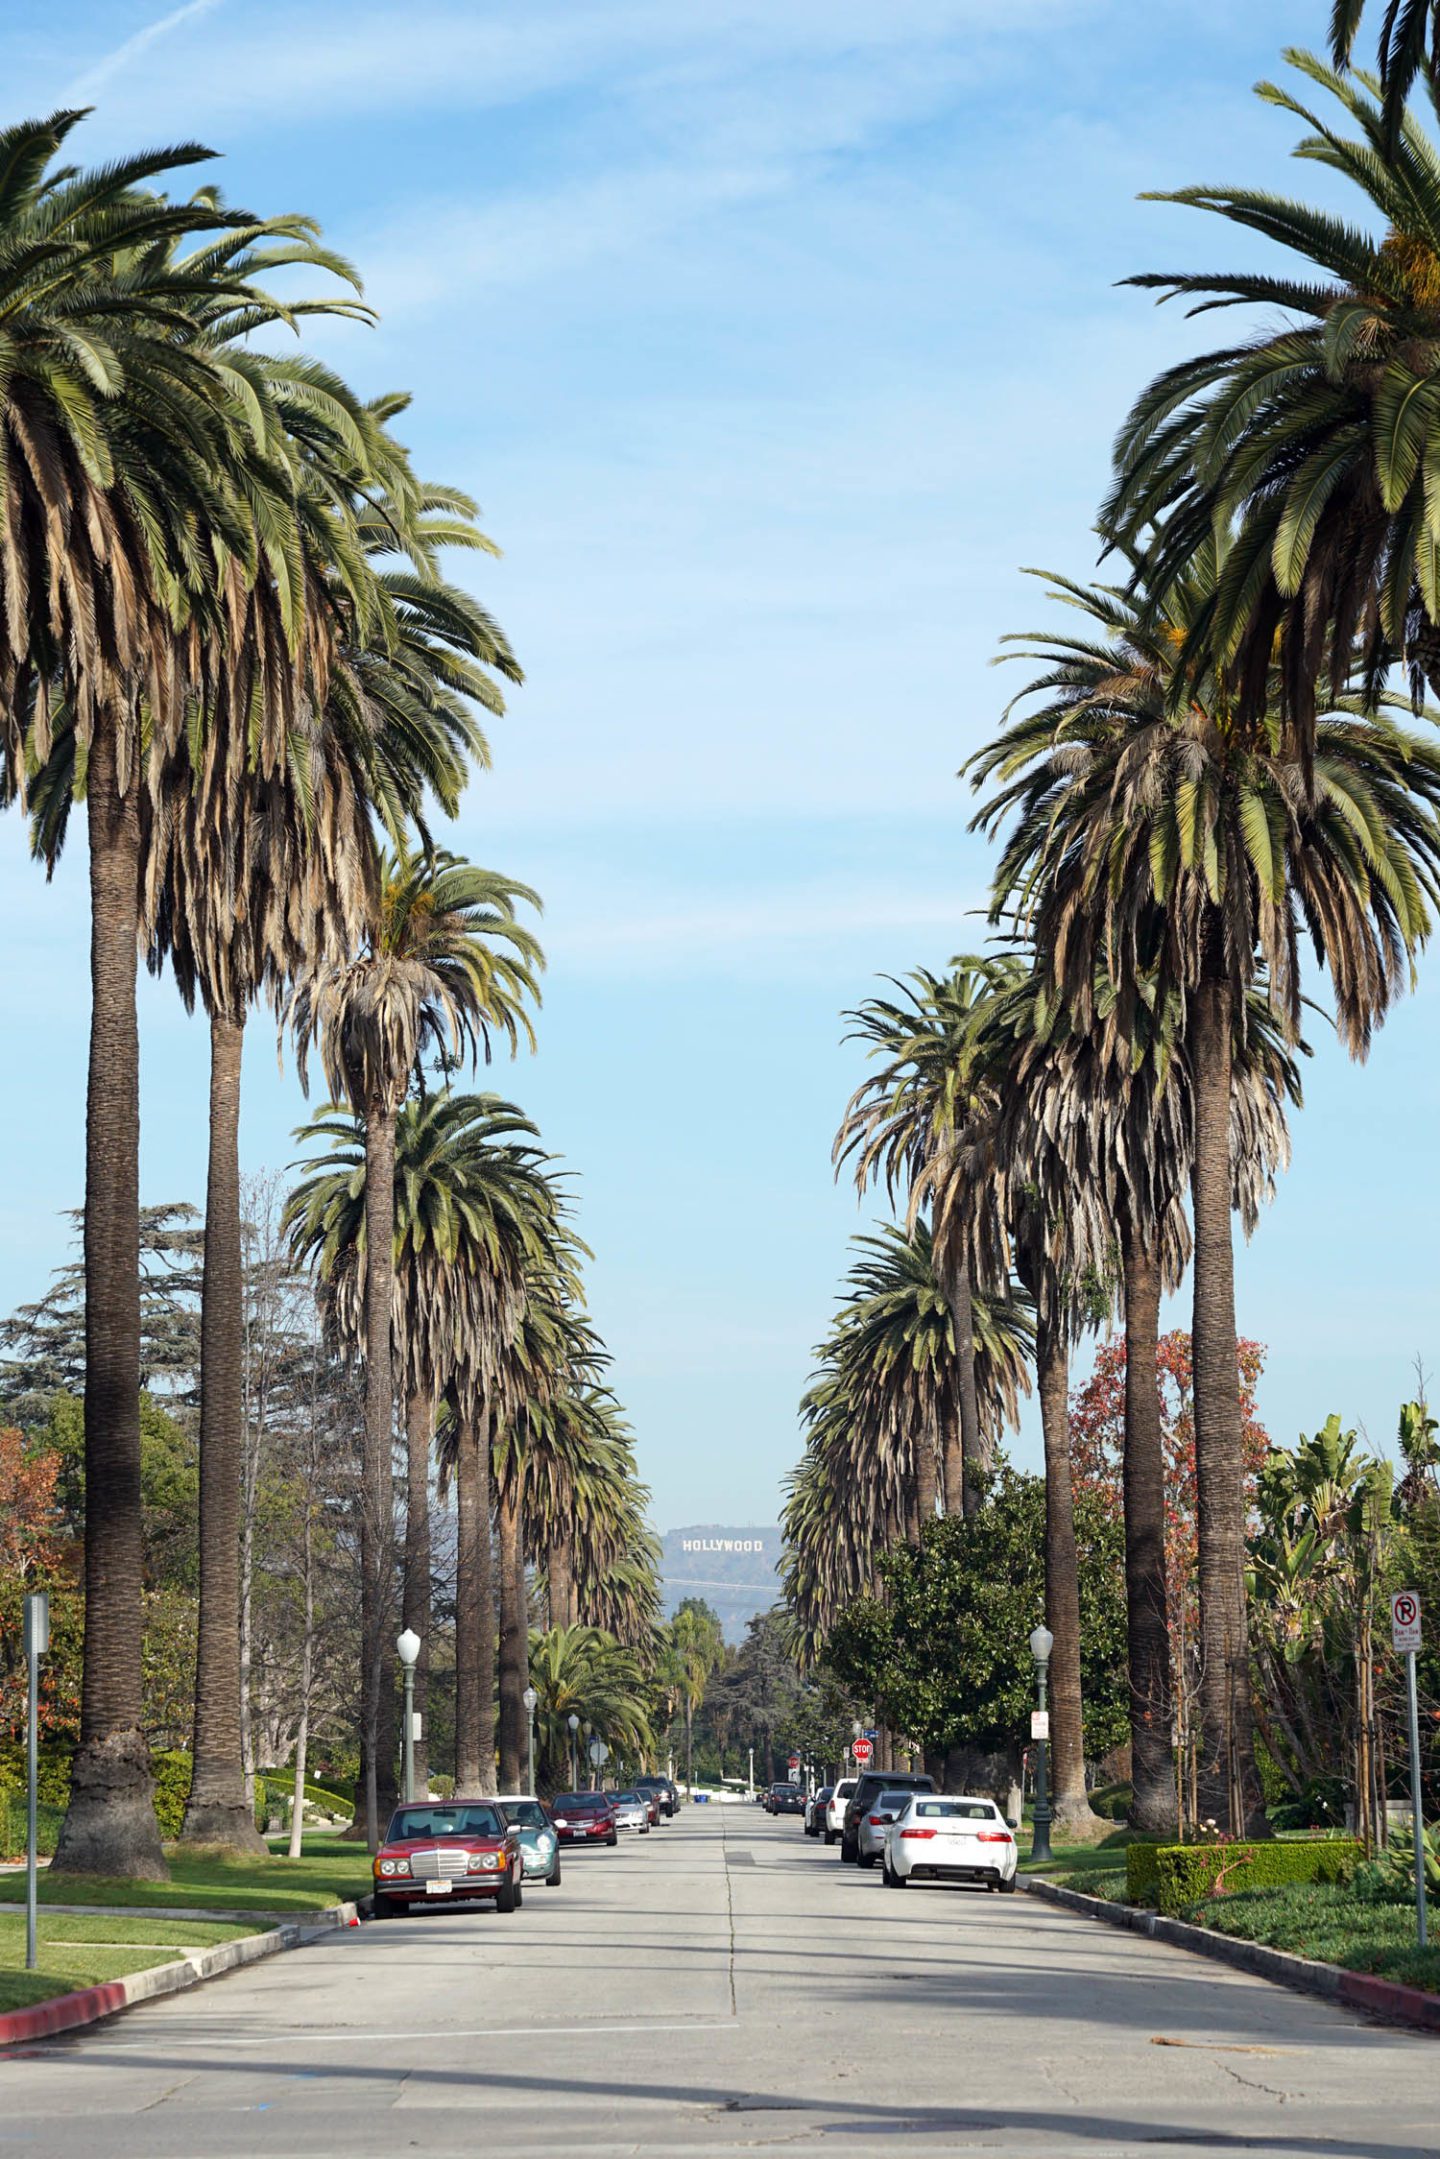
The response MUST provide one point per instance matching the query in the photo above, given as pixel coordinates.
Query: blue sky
(773, 335)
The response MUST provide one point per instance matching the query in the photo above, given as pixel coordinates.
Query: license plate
(438, 1889)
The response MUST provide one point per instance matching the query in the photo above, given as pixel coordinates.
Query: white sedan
(835, 1807)
(940, 1839)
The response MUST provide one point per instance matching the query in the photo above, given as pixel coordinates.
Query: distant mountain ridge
(735, 1569)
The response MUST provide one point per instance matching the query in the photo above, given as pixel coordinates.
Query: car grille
(440, 1864)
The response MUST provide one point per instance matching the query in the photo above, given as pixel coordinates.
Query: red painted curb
(1410, 2004)
(63, 2013)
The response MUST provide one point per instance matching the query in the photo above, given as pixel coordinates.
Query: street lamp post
(408, 1647)
(574, 1723)
(530, 1698)
(1042, 1641)
(37, 1644)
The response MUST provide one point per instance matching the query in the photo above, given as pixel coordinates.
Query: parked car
(942, 1839)
(868, 1788)
(774, 1793)
(630, 1812)
(652, 1804)
(835, 1807)
(539, 1844)
(584, 1818)
(789, 1799)
(885, 1808)
(461, 1850)
(815, 1809)
(666, 1793)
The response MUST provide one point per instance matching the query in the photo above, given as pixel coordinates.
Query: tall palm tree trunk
(964, 1497)
(375, 1500)
(110, 1824)
(474, 1628)
(514, 1639)
(952, 1456)
(1228, 1789)
(1152, 1769)
(219, 1811)
(926, 1482)
(415, 1599)
(1062, 1585)
(560, 1584)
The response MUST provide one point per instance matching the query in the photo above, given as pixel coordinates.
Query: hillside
(735, 1570)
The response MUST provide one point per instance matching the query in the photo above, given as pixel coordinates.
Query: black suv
(866, 1792)
(665, 1792)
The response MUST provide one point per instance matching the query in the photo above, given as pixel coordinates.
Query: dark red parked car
(584, 1818)
(455, 1851)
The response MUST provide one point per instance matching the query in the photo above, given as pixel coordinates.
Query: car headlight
(545, 1842)
(392, 1866)
(484, 1862)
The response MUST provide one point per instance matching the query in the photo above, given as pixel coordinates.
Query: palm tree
(583, 1671)
(693, 1648)
(1180, 859)
(445, 962)
(1310, 442)
(924, 1091)
(142, 523)
(1408, 48)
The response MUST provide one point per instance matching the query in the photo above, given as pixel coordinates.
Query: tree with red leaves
(33, 1557)
(1097, 1445)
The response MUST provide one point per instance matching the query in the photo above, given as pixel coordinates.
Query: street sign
(598, 1752)
(793, 1761)
(862, 1751)
(1039, 1724)
(795, 1774)
(1405, 1621)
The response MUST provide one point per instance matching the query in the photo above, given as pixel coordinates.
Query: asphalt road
(726, 1985)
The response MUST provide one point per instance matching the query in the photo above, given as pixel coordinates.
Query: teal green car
(539, 1845)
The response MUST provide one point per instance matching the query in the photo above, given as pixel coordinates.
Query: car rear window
(445, 1822)
(527, 1812)
(956, 1810)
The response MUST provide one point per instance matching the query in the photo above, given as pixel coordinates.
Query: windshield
(410, 1822)
(581, 1803)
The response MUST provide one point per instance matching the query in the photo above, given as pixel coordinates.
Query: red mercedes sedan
(584, 1818)
(459, 1850)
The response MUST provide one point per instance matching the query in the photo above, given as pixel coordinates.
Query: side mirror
(1011, 1824)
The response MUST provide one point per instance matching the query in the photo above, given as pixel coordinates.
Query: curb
(68, 2012)
(1306, 1975)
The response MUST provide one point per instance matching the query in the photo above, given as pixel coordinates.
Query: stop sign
(862, 1751)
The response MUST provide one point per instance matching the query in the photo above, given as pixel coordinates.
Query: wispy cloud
(104, 71)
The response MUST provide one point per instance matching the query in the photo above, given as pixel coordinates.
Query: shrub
(53, 1779)
(1111, 1802)
(172, 1772)
(1186, 1874)
(1141, 1879)
(14, 1826)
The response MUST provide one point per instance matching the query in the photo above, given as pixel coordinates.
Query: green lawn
(1328, 1921)
(76, 1951)
(1097, 1869)
(330, 1873)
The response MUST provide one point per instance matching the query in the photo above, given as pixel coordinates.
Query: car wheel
(848, 1852)
(865, 1859)
(1006, 1889)
(552, 1879)
(829, 1836)
(507, 1896)
(613, 1839)
(892, 1879)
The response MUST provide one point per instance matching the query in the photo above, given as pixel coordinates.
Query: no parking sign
(1405, 1621)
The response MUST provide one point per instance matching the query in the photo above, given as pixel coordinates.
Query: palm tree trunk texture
(965, 1497)
(1152, 1766)
(474, 1617)
(218, 1811)
(514, 1642)
(387, 1744)
(560, 1581)
(926, 1482)
(1062, 1585)
(1228, 1787)
(375, 1502)
(415, 1598)
(110, 1824)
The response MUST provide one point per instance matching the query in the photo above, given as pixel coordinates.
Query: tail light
(994, 1836)
(917, 1832)
(877, 1821)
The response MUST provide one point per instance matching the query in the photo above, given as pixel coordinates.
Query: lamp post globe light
(1042, 1641)
(574, 1723)
(407, 1648)
(530, 1698)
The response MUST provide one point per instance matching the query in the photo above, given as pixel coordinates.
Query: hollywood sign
(722, 1544)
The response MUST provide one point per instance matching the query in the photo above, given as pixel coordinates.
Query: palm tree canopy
(1314, 441)
(1408, 47)
(1151, 846)
(446, 964)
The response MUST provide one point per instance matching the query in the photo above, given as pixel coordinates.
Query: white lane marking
(325, 2034)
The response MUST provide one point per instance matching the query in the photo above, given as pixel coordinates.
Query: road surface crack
(1252, 2084)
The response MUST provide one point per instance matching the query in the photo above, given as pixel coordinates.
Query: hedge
(15, 1826)
(1173, 1877)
